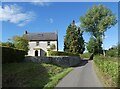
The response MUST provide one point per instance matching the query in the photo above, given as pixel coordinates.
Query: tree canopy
(20, 42)
(73, 41)
(96, 21)
(8, 44)
(93, 46)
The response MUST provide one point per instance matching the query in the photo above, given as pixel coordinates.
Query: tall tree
(20, 42)
(73, 41)
(93, 46)
(97, 20)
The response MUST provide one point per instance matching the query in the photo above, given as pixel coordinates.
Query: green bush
(10, 55)
(85, 55)
(59, 53)
(112, 53)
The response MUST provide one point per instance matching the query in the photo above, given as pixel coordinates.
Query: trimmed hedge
(59, 53)
(10, 55)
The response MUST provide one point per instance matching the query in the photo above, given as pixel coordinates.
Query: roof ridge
(40, 32)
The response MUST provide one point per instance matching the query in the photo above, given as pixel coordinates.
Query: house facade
(39, 43)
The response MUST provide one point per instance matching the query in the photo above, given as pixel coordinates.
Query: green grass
(32, 75)
(108, 68)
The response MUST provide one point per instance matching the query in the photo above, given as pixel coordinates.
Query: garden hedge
(59, 53)
(10, 55)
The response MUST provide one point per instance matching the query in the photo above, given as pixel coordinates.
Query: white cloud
(15, 14)
(50, 20)
(41, 2)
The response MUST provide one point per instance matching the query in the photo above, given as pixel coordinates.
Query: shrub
(59, 53)
(112, 53)
(85, 55)
(10, 55)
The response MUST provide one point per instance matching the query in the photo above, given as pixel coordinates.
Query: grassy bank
(32, 75)
(107, 70)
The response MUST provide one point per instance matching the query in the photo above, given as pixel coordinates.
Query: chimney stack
(25, 32)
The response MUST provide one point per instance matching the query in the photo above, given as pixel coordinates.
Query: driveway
(82, 76)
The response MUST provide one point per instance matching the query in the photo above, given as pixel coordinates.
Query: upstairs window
(48, 43)
(37, 43)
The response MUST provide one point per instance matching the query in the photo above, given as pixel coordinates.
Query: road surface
(82, 76)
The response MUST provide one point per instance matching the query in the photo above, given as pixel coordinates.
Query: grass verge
(32, 75)
(55, 79)
(107, 71)
(102, 76)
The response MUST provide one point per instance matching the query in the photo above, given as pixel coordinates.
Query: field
(32, 75)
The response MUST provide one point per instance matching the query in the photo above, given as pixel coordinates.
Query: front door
(36, 53)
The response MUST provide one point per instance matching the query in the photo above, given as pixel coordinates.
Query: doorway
(36, 52)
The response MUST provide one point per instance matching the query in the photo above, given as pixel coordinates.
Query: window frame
(48, 43)
(37, 43)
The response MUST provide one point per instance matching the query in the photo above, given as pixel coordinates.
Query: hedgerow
(10, 55)
(59, 53)
(108, 66)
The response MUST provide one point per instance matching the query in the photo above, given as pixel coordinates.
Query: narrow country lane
(82, 76)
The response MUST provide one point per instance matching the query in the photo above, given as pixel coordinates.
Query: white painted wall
(42, 45)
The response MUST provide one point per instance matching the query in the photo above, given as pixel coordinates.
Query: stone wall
(64, 61)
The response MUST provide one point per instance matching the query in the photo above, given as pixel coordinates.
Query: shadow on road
(82, 63)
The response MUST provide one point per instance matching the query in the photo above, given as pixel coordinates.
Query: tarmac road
(82, 76)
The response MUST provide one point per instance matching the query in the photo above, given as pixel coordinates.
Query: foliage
(108, 66)
(45, 54)
(119, 50)
(58, 53)
(85, 55)
(57, 78)
(10, 55)
(52, 47)
(32, 75)
(93, 46)
(97, 20)
(20, 42)
(8, 44)
(73, 41)
(113, 51)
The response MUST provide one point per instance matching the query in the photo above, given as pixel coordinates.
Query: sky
(16, 17)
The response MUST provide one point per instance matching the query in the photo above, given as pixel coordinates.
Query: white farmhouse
(39, 43)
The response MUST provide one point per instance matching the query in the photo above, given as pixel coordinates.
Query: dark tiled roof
(46, 36)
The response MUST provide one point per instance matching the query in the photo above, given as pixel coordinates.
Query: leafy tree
(97, 20)
(8, 44)
(80, 41)
(93, 46)
(52, 47)
(73, 41)
(113, 51)
(20, 42)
